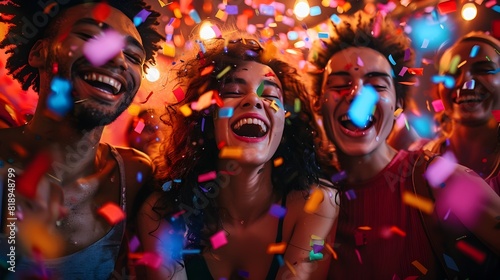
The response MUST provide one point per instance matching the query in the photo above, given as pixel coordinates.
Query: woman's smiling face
(256, 126)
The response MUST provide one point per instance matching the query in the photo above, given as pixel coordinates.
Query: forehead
(358, 59)
(251, 70)
(115, 19)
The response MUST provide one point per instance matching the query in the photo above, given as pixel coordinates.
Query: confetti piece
(323, 35)
(150, 259)
(260, 89)
(392, 60)
(313, 202)
(139, 127)
(440, 169)
(447, 7)
(448, 81)
(223, 72)
(474, 51)
(207, 176)
(218, 240)
(424, 204)
(335, 19)
(232, 9)
(195, 16)
(290, 266)
(226, 112)
(450, 263)
(167, 186)
(60, 101)
(275, 106)
(141, 17)
(27, 183)
(296, 105)
(317, 248)
(407, 54)
(190, 251)
(112, 213)
(496, 115)
(134, 243)
(139, 177)
(364, 228)
(277, 211)
(134, 110)
(398, 231)
(37, 237)
(350, 194)
(169, 49)
(454, 64)
(203, 102)
(280, 259)
(359, 256)
(185, 110)
(276, 248)
(278, 161)
(419, 266)
(231, 152)
(266, 10)
(315, 256)
(437, 105)
(471, 251)
(398, 112)
(362, 106)
(101, 11)
(104, 47)
(416, 71)
(403, 71)
(471, 84)
(339, 176)
(315, 11)
(360, 62)
(329, 248)
(425, 44)
(206, 70)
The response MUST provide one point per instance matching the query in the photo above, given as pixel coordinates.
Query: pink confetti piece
(104, 47)
(359, 256)
(139, 127)
(112, 213)
(207, 176)
(218, 240)
(360, 62)
(496, 115)
(403, 71)
(134, 244)
(440, 169)
(437, 105)
(150, 259)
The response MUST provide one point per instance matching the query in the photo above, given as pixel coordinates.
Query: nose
(252, 100)
(352, 92)
(119, 61)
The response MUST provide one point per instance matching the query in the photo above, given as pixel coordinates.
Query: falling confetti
(104, 47)
(112, 213)
(277, 211)
(313, 202)
(218, 240)
(363, 105)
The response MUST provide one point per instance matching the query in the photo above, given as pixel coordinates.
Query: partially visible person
(468, 125)
(392, 223)
(144, 132)
(242, 180)
(65, 179)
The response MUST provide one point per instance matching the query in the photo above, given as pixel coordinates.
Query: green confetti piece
(223, 72)
(296, 105)
(260, 89)
(454, 64)
(315, 256)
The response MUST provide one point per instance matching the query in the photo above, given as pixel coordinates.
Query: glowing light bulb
(301, 9)
(469, 11)
(153, 74)
(207, 32)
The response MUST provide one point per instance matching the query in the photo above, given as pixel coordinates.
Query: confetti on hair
(278, 161)
(27, 183)
(420, 267)
(335, 18)
(141, 17)
(290, 266)
(104, 47)
(350, 194)
(150, 259)
(440, 169)
(167, 186)
(101, 11)
(315, 11)
(218, 240)
(140, 126)
(362, 106)
(323, 35)
(218, 100)
(112, 213)
(204, 101)
(424, 204)
(313, 202)
(277, 211)
(392, 60)
(450, 263)
(276, 248)
(232, 9)
(403, 71)
(437, 105)
(147, 98)
(223, 72)
(206, 70)
(60, 101)
(226, 112)
(185, 110)
(231, 152)
(471, 251)
(207, 176)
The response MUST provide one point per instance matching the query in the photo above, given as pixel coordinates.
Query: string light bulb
(301, 9)
(152, 74)
(469, 11)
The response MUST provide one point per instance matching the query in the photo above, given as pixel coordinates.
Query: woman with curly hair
(240, 170)
(393, 224)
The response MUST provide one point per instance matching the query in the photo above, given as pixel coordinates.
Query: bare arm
(320, 223)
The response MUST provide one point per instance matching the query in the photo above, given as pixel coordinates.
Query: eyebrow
(244, 82)
(368, 75)
(104, 25)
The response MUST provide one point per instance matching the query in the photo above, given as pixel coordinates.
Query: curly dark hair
(192, 149)
(29, 22)
(359, 30)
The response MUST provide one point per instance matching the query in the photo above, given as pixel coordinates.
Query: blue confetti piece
(292, 35)
(232, 9)
(471, 84)
(474, 50)
(323, 35)
(496, 8)
(202, 124)
(335, 19)
(141, 17)
(226, 112)
(1, 164)
(339, 176)
(60, 100)
(244, 274)
(392, 60)
(494, 71)
(194, 15)
(450, 263)
(448, 81)
(351, 194)
(280, 259)
(277, 211)
(315, 11)
(202, 47)
(139, 177)
(362, 106)
(177, 180)
(190, 251)
(167, 186)
(278, 102)
(266, 10)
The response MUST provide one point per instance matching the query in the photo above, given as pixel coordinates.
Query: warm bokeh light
(207, 32)
(153, 74)
(469, 11)
(301, 9)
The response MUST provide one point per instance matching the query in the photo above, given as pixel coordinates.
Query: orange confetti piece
(290, 266)
(420, 267)
(217, 99)
(424, 204)
(334, 254)
(408, 83)
(398, 231)
(313, 202)
(276, 248)
(185, 110)
(231, 152)
(364, 228)
(112, 213)
(416, 71)
(278, 161)
(206, 70)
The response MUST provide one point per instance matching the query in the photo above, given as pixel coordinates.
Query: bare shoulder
(135, 160)
(320, 200)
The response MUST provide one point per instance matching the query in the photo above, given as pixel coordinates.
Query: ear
(38, 54)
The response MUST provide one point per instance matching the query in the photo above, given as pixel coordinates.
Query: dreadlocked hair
(30, 21)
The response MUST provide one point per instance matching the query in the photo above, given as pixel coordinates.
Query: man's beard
(88, 116)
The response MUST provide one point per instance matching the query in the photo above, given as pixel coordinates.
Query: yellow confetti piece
(420, 267)
(365, 228)
(278, 161)
(220, 14)
(453, 64)
(398, 112)
(315, 237)
(296, 105)
(276, 248)
(422, 203)
(177, 13)
(275, 106)
(290, 266)
(223, 72)
(185, 110)
(162, 4)
(134, 110)
(313, 202)
(231, 152)
(334, 254)
(169, 49)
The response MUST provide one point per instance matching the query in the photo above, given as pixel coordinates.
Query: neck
(247, 193)
(365, 167)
